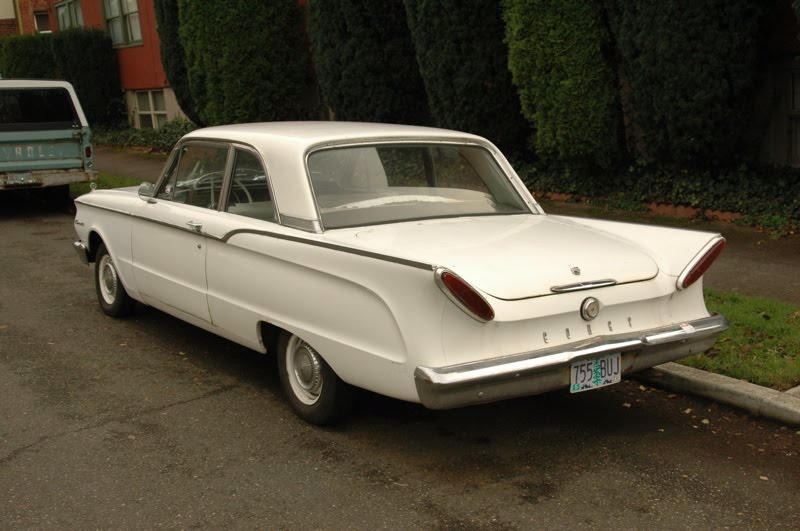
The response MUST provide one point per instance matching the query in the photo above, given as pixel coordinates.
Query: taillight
(87, 152)
(463, 295)
(700, 264)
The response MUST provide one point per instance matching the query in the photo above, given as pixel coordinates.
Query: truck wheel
(314, 391)
(111, 294)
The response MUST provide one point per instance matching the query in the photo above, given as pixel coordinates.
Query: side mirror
(146, 192)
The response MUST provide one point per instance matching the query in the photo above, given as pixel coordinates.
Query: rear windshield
(39, 109)
(373, 184)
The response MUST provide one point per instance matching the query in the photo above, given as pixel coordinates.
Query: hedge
(463, 61)
(692, 67)
(27, 57)
(173, 56)
(365, 63)
(84, 57)
(560, 59)
(246, 60)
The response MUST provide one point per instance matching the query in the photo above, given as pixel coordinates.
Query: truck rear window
(24, 109)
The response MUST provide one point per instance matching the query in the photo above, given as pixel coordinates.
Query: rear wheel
(314, 391)
(111, 294)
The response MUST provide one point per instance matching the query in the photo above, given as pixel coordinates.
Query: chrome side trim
(331, 246)
(308, 225)
(578, 286)
(535, 372)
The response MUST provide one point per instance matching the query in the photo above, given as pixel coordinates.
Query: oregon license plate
(594, 373)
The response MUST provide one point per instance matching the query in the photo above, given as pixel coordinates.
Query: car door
(167, 240)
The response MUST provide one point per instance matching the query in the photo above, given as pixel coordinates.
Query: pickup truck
(45, 140)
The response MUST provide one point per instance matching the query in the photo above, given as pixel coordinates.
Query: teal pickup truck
(45, 141)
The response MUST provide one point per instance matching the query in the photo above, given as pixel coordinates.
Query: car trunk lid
(512, 257)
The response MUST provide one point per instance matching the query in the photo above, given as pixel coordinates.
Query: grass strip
(103, 181)
(762, 345)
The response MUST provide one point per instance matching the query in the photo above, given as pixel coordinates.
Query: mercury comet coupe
(408, 261)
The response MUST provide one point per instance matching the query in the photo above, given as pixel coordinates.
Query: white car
(408, 261)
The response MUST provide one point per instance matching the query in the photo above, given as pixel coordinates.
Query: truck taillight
(463, 295)
(700, 264)
(87, 152)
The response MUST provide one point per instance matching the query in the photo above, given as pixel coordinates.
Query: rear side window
(40, 109)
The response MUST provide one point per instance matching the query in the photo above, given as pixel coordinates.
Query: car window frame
(232, 146)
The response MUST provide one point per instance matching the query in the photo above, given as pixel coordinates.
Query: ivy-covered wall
(173, 56)
(691, 68)
(463, 61)
(560, 58)
(365, 62)
(246, 60)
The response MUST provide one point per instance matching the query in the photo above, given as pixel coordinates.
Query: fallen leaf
(763, 478)
(687, 410)
(705, 421)
(642, 388)
(626, 404)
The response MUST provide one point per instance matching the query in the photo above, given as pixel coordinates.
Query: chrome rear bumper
(531, 373)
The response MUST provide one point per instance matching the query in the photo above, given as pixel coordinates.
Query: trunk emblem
(576, 270)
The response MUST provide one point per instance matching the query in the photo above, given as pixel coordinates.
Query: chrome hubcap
(109, 281)
(304, 368)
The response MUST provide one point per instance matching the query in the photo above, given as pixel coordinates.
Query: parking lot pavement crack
(14, 454)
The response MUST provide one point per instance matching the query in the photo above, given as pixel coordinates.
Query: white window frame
(151, 111)
(74, 14)
(126, 12)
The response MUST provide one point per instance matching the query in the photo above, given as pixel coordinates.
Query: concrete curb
(783, 407)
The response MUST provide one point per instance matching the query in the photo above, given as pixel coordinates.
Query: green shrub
(769, 196)
(172, 55)
(86, 58)
(559, 58)
(692, 68)
(27, 57)
(161, 139)
(365, 61)
(464, 66)
(246, 60)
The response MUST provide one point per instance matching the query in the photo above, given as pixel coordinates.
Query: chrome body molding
(539, 371)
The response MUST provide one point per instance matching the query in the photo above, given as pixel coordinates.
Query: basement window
(151, 109)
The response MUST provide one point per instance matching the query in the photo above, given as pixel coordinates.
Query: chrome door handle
(195, 226)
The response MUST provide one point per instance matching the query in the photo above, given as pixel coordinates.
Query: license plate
(17, 179)
(594, 373)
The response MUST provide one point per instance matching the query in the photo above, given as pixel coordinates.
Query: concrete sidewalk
(752, 264)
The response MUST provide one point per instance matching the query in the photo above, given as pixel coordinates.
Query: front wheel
(314, 391)
(111, 294)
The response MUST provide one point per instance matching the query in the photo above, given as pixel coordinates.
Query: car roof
(34, 83)
(304, 135)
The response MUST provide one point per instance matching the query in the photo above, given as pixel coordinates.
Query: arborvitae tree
(559, 55)
(87, 59)
(246, 60)
(365, 61)
(27, 57)
(172, 55)
(464, 65)
(691, 68)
